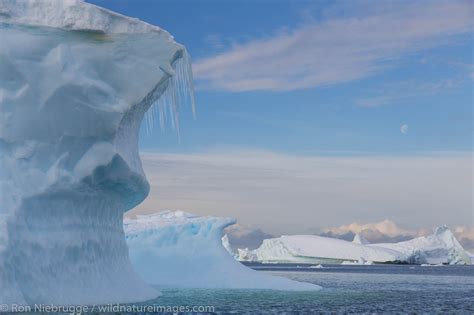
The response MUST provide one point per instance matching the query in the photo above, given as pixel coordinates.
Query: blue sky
(318, 113)
(424, 80)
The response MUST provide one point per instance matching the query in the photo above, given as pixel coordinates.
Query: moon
(404, 129)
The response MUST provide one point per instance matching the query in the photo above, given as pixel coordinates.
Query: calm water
(360, 289)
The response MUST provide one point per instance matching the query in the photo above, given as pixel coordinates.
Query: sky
(318, 113)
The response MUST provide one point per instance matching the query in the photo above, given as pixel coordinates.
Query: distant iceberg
(179, 249)
(316, 250)
(439, 248)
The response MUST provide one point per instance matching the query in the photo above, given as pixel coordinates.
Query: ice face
(75, 83)
(179, 249)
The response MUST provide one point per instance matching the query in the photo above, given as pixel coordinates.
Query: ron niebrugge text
(77, 309)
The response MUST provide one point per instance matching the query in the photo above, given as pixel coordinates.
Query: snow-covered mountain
(441, 247)
(180, 249)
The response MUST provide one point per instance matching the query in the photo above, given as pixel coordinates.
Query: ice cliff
(179, 249)
(75, 83)
(441, 247)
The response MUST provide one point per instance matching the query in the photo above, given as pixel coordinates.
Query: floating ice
(317, 266)
(439, 248)
(316, 249)
(179, 249)
(75, 83)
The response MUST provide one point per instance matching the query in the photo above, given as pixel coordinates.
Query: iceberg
(313, 249)
(75, 83)
(179, 249)
(439, 248)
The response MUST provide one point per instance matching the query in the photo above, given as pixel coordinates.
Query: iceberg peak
(442, 230)
(359, 239)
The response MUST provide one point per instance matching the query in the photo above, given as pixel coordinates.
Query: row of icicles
(180, 91)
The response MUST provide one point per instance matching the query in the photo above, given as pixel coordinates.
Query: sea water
(359, 289)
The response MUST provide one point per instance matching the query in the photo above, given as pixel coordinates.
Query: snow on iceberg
(180, 249)
(75, 83)
(439, 248)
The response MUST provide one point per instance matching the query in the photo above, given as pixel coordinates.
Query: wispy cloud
(392, 92)
(386, 227)
(214, 41)
(291, 194)
(335, 50)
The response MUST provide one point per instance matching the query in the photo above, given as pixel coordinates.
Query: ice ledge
(71, 15)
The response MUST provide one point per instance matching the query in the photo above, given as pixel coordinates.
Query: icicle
(180, 91)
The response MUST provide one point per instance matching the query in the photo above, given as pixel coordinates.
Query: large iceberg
(179, 249)
(75, 83)
(439, 248)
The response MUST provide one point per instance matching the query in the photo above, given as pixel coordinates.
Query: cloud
(284, 194)
(245, 236)
(404, 129)
(387, 231)
(465, 235)
(214, 41)
(386, 227)
(336, 49)
(391, 92)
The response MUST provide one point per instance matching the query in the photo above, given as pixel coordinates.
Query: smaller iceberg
(441, 247)
(179, 249)
(317, 266)
(360, 262)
